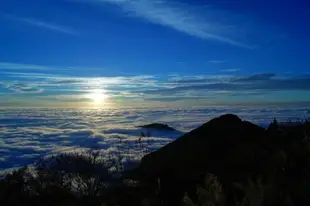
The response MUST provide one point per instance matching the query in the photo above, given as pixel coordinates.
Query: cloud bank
(28, 134)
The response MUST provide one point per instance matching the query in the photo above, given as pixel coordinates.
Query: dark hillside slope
(206, 146)
(225, 146)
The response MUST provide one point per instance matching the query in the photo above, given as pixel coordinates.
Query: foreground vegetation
(273, 169)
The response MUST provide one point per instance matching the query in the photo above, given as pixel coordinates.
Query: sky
(149, 53)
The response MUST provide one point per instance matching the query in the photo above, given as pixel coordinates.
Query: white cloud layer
(28, 134)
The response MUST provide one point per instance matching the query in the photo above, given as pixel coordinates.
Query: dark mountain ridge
(227, 146)
(223, 134)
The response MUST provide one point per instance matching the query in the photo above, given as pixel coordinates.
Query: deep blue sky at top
(106, 38)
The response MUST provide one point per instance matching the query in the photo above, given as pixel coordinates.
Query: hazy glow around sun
(97, 96)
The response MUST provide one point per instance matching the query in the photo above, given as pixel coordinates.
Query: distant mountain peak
(226, 118)
(158, 126)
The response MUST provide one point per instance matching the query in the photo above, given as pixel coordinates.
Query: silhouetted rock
(158, 126)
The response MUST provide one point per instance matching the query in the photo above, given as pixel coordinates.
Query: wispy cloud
(176, 98)
(52, 84)
(186, 80)
(67, 87)
(217, 61)
(52, 80)
(16, 66)
(182, 19)
(66, 81)
(263, 82)
(256, 77)
(231, 70)
(45, 25)
(24, 88)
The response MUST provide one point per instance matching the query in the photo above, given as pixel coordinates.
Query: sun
(97, 96)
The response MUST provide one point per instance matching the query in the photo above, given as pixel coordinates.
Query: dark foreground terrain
(226, 161)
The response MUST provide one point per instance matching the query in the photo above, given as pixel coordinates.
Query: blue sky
(116, 53)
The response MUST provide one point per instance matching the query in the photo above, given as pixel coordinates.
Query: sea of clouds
(29, 134)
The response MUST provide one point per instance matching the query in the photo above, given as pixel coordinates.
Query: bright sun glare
(98, 96)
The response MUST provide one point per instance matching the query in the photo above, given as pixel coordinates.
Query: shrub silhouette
(210, 194)
(67, 178)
